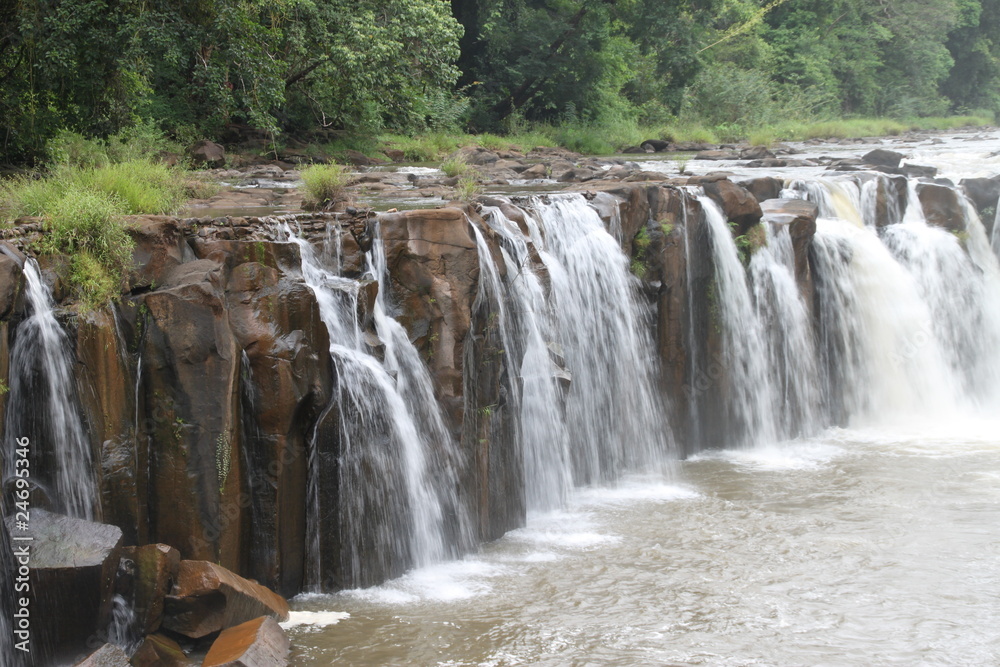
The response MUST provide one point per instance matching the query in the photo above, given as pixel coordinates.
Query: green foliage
(87, 225)
(467, 189)
(324, 185)
(455, 166)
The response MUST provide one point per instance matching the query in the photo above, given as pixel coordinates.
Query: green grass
(455, 166)
(88, 226)
(324, 185)
(137, 187)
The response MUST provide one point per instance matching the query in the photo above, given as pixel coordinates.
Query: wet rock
(756, 153)
(11, 285)
(159, 248)
(257, 643)
(275, 320)
(883, 157)
(654, 146)
(474, 155)
(577, 175)
(108, 655)
(763, 188)
(394, 154)
(983, 192)
(942, 206)
(160, 651)
(694, 146)
(737, 204)
(106, 385)
(799, 216)
(891, 197)
(207, 154)
(638, 150)
(207, 598)
(71, 567)
(190, 390)
(156, 566)
(717, 155)
(535, 172)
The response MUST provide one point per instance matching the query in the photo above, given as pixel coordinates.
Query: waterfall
(124, 631)
(751, 399)
(42, 405)
(534, 383)
(396, 482)
(790, 348)
(615, 416)
(880, 355)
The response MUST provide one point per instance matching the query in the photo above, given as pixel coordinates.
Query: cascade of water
(42, 403)
(615, 415)
(124, 631)
(835, 198)
(878, 350)
(958, 279)
(526, 329)
(434, 458)
(392, 508)
(790, 348)
(752, 394)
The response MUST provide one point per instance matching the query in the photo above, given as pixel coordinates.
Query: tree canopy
(201, 68)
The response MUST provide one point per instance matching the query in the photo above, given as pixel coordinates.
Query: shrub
(455, 166)
(324, 185)
(88, 226)
(75, 150)
(140, 185)
(467, 189)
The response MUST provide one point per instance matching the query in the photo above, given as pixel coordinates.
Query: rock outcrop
(207, 598)
(257, 643)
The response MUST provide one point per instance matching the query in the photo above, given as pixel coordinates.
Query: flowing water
(392, 502)
(855, 526)
(42, 405)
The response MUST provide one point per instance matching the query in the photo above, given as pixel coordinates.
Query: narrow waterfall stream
(388, 405)
(42, 405)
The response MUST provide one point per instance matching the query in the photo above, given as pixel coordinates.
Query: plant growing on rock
(325, 185)
(87, 225)
(455, 166)
(467, 189)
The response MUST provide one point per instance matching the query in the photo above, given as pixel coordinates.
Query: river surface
(871, 546)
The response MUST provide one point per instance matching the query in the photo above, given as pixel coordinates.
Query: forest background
(591, 75)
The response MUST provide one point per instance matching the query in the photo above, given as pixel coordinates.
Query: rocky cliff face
(206, 391)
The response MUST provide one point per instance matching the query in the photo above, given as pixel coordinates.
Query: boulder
(157, 566)
(535, 172)
(756, 153)
(71, 566)
(108, 655)
(207, 598)
(257, 643)
(942, 206)
(737, 204)
(654, 146)
(983, 192)
(883, 157)
(577, 175)
(763, 188)
(694, 146)
(394, 154)
(160, 651)
(207, 154)
(475, 155)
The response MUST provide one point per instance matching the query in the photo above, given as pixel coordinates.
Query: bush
(88, 226)
(456, 166)
(142, 186)
(324, 185)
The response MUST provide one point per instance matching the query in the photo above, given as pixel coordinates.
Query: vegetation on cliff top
(587, 74)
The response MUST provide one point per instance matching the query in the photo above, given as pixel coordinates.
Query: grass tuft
(324, 185)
